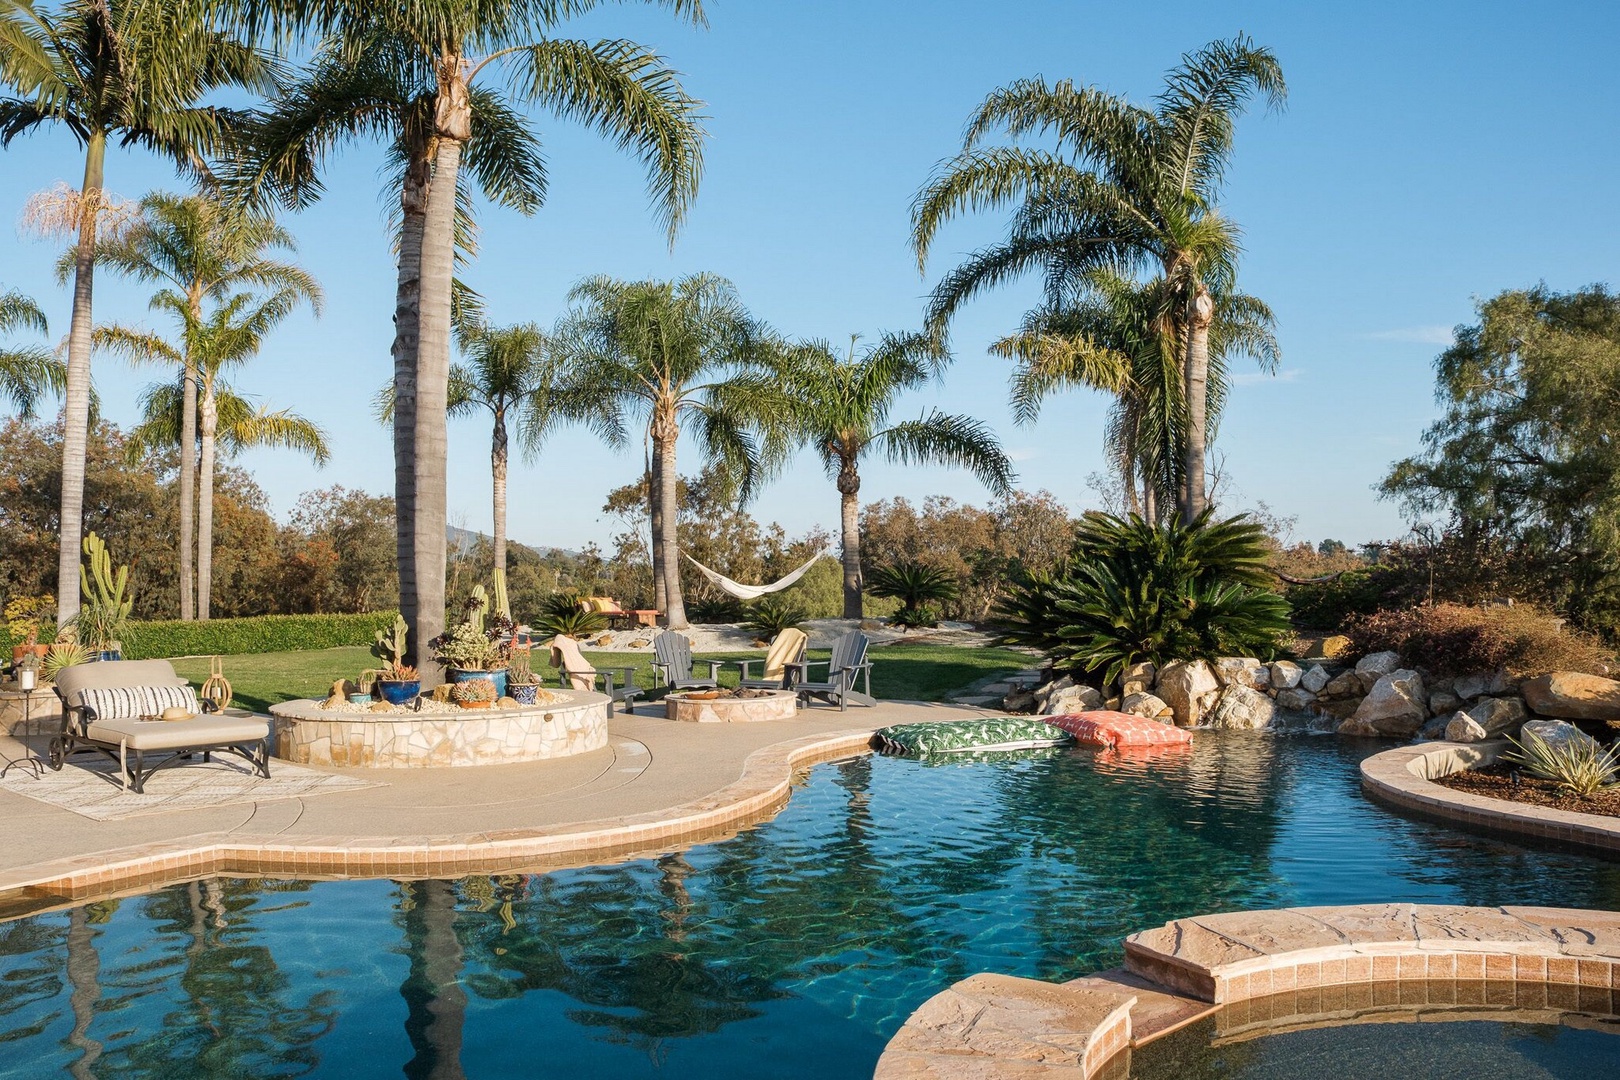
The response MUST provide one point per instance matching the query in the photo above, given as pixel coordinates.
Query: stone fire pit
(731, 706)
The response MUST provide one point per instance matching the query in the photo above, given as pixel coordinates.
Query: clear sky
(1430, 154)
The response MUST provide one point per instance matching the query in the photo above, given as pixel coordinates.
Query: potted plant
(470, 650)
(104, 612)
(25, 616)
(397, 682)
(522, 683)
(474, 693)
(62, 654)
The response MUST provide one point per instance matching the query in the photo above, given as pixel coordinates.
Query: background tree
(113, 69)
(1127, 189)
(198, 247)
(842, 407)
(27, 372)
(658, 351)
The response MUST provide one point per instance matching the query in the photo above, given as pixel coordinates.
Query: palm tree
(28, 371)
(127, 70)
(199, 247)
(661, 350)
(231, 335)
(1129, 188)
(439, 51)
(842, 407)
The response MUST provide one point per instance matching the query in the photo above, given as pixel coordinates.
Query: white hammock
(752, 592)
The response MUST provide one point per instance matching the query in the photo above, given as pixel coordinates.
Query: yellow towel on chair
(787, 646)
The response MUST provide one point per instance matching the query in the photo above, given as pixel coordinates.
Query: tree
(1525, 462)
(113, 69)
(842, 407)
(1128, 188)
(663, 350)
(430, 82)
(28, 371)
(198, 247)
(231, 335)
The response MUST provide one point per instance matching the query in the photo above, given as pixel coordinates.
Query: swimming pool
(792, 950)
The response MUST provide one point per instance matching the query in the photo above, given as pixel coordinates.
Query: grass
(908, 672)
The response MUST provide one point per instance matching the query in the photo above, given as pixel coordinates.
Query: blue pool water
(792, 950)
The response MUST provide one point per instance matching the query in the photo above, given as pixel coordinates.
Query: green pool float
(962, 736)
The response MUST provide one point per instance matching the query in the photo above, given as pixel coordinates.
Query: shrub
(716, 609)
(1582, 768)
(561, 614)
(255, 634)
(770, 615)
(1450, 640)
(1138, 592)
(914, 617)
(916, 585)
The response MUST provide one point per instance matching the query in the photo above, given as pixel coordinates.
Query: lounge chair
(576, 672)
(109, 707)
(788, 648)
(618, 618)
(674, 664)
(847, 663)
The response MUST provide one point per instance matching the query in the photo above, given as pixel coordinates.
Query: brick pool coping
(1260, 972)
(1402, 777)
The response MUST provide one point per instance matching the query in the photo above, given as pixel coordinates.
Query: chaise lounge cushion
(73, 681)
(200, 731)
(120, 702)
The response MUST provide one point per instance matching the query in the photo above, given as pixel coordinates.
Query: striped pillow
(128, 702)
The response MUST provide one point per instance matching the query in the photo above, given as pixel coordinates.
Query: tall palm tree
(199, 247)
(621, 89)
(232, 334)
(27, 371)
(663, 350)
(1128, 188)
(842, 407)
(125, 70)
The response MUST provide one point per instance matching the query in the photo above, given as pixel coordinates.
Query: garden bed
(1496, 782)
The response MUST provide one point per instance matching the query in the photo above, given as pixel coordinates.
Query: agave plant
(563, 615)
(1138, 592)
(770, 615)
(917, 586)
(1580, 767)
(63, 654)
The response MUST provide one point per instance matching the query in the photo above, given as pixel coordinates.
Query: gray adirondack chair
(674, 664)
(847, 664)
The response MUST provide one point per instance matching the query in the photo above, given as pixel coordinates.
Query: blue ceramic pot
(360, 699)
(463, 675)
(398, 692)
(525, 693)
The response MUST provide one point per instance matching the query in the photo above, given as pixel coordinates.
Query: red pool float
(1117, 730)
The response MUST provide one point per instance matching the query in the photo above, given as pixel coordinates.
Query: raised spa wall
(306, 734)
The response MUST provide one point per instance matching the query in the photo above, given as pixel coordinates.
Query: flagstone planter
(701, 708)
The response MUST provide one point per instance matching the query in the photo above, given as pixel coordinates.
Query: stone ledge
(1401, 776)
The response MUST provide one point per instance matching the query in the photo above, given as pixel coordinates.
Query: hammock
(752, 592)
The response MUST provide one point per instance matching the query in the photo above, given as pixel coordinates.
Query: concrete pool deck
(657, 785)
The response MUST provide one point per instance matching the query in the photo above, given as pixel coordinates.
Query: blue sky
(1430, 154)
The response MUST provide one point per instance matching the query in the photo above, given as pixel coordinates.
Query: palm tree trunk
(497, 466)
(655, 522)
(407, 329)
(76, 399)
(205, 499)
(849, 487)
(84, 976)
(1127, 478)
(188, 493)
(430, 440)
(1201, 314)
(669, 532)
(1150, 501)
(436, 1005)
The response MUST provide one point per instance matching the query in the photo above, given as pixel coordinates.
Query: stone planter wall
(37, 712)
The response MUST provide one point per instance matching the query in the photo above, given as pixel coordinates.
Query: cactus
(478, 607)
(107, 601)
(473, 691)
(390, 646)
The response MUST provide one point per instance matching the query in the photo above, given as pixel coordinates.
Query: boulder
(1557, 734)
(1343, 686)
(1470, 687)
(1242, 671)
(1138, 679)
(1443, 703)
(1436, 728)
(1572, 696)
(1241, 708)
(1316, 679)
(1464, 728)
(1043, 693)
(1379, 663)
(1285, 674)
(1329, 647)
(1072, 699)
(1190, 688)
(1499, 716)
(1296, 699)
(1019, 699)
(1145, 705)
(1366, 680)
(1395, 706)
(1338, 708)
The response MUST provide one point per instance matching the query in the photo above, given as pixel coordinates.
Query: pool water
(792, 950)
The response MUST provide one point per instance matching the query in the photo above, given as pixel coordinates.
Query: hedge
(256, 634)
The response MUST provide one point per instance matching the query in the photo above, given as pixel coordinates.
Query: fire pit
(731, 706)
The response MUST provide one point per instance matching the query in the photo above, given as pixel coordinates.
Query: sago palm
(842, 407)
(1128, 188)
(231, 334)
(196, 248)
(27, 372)
(129, 71)
(659, 352)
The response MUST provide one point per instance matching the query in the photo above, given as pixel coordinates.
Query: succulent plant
(473, 691)
(390, 644)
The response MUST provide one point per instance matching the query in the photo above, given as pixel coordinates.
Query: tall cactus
(503, 606)
(478, 607)
(100, 585)
(390, 645)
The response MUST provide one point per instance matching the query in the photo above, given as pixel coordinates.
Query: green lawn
(913, 672)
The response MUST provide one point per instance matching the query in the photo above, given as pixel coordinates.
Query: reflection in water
(803, 943)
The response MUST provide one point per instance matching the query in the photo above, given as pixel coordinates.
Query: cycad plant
(770, 615)
(1135, 591)
(917, 586)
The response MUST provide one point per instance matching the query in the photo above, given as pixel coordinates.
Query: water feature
(792, 950)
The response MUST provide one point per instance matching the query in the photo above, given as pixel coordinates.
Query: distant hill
(463, 541)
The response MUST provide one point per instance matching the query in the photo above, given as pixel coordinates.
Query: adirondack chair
(674, 664)
(576, 672)
(847, 663)
(788, 648)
